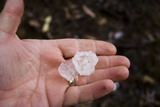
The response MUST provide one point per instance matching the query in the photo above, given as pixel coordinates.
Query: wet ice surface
(83, 63)
(68, 71)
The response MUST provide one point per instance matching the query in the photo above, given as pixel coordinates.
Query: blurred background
(132, 25)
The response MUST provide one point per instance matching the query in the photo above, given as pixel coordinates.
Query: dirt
(132, 25)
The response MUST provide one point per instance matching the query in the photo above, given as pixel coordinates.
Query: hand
(29, 68)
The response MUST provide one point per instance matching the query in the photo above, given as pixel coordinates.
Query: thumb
(10, 16)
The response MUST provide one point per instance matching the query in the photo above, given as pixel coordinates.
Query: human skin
(29, 68)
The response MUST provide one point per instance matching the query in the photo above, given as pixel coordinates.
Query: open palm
(29, 68)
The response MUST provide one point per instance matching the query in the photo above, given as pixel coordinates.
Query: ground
(132, 25)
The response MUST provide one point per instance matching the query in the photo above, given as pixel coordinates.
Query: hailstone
(68, 71)
(83, 63)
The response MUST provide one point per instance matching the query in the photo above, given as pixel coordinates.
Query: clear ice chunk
(68, 71)
(85, 62)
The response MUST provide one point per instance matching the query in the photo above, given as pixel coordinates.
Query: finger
(115, 74)
(112, 61)
(10, 16)
(69, 47)
(88, 92)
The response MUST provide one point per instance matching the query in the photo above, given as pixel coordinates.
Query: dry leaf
(46, 25)
(89, 11)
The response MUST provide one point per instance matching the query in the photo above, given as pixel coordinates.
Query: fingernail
(116, 86)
